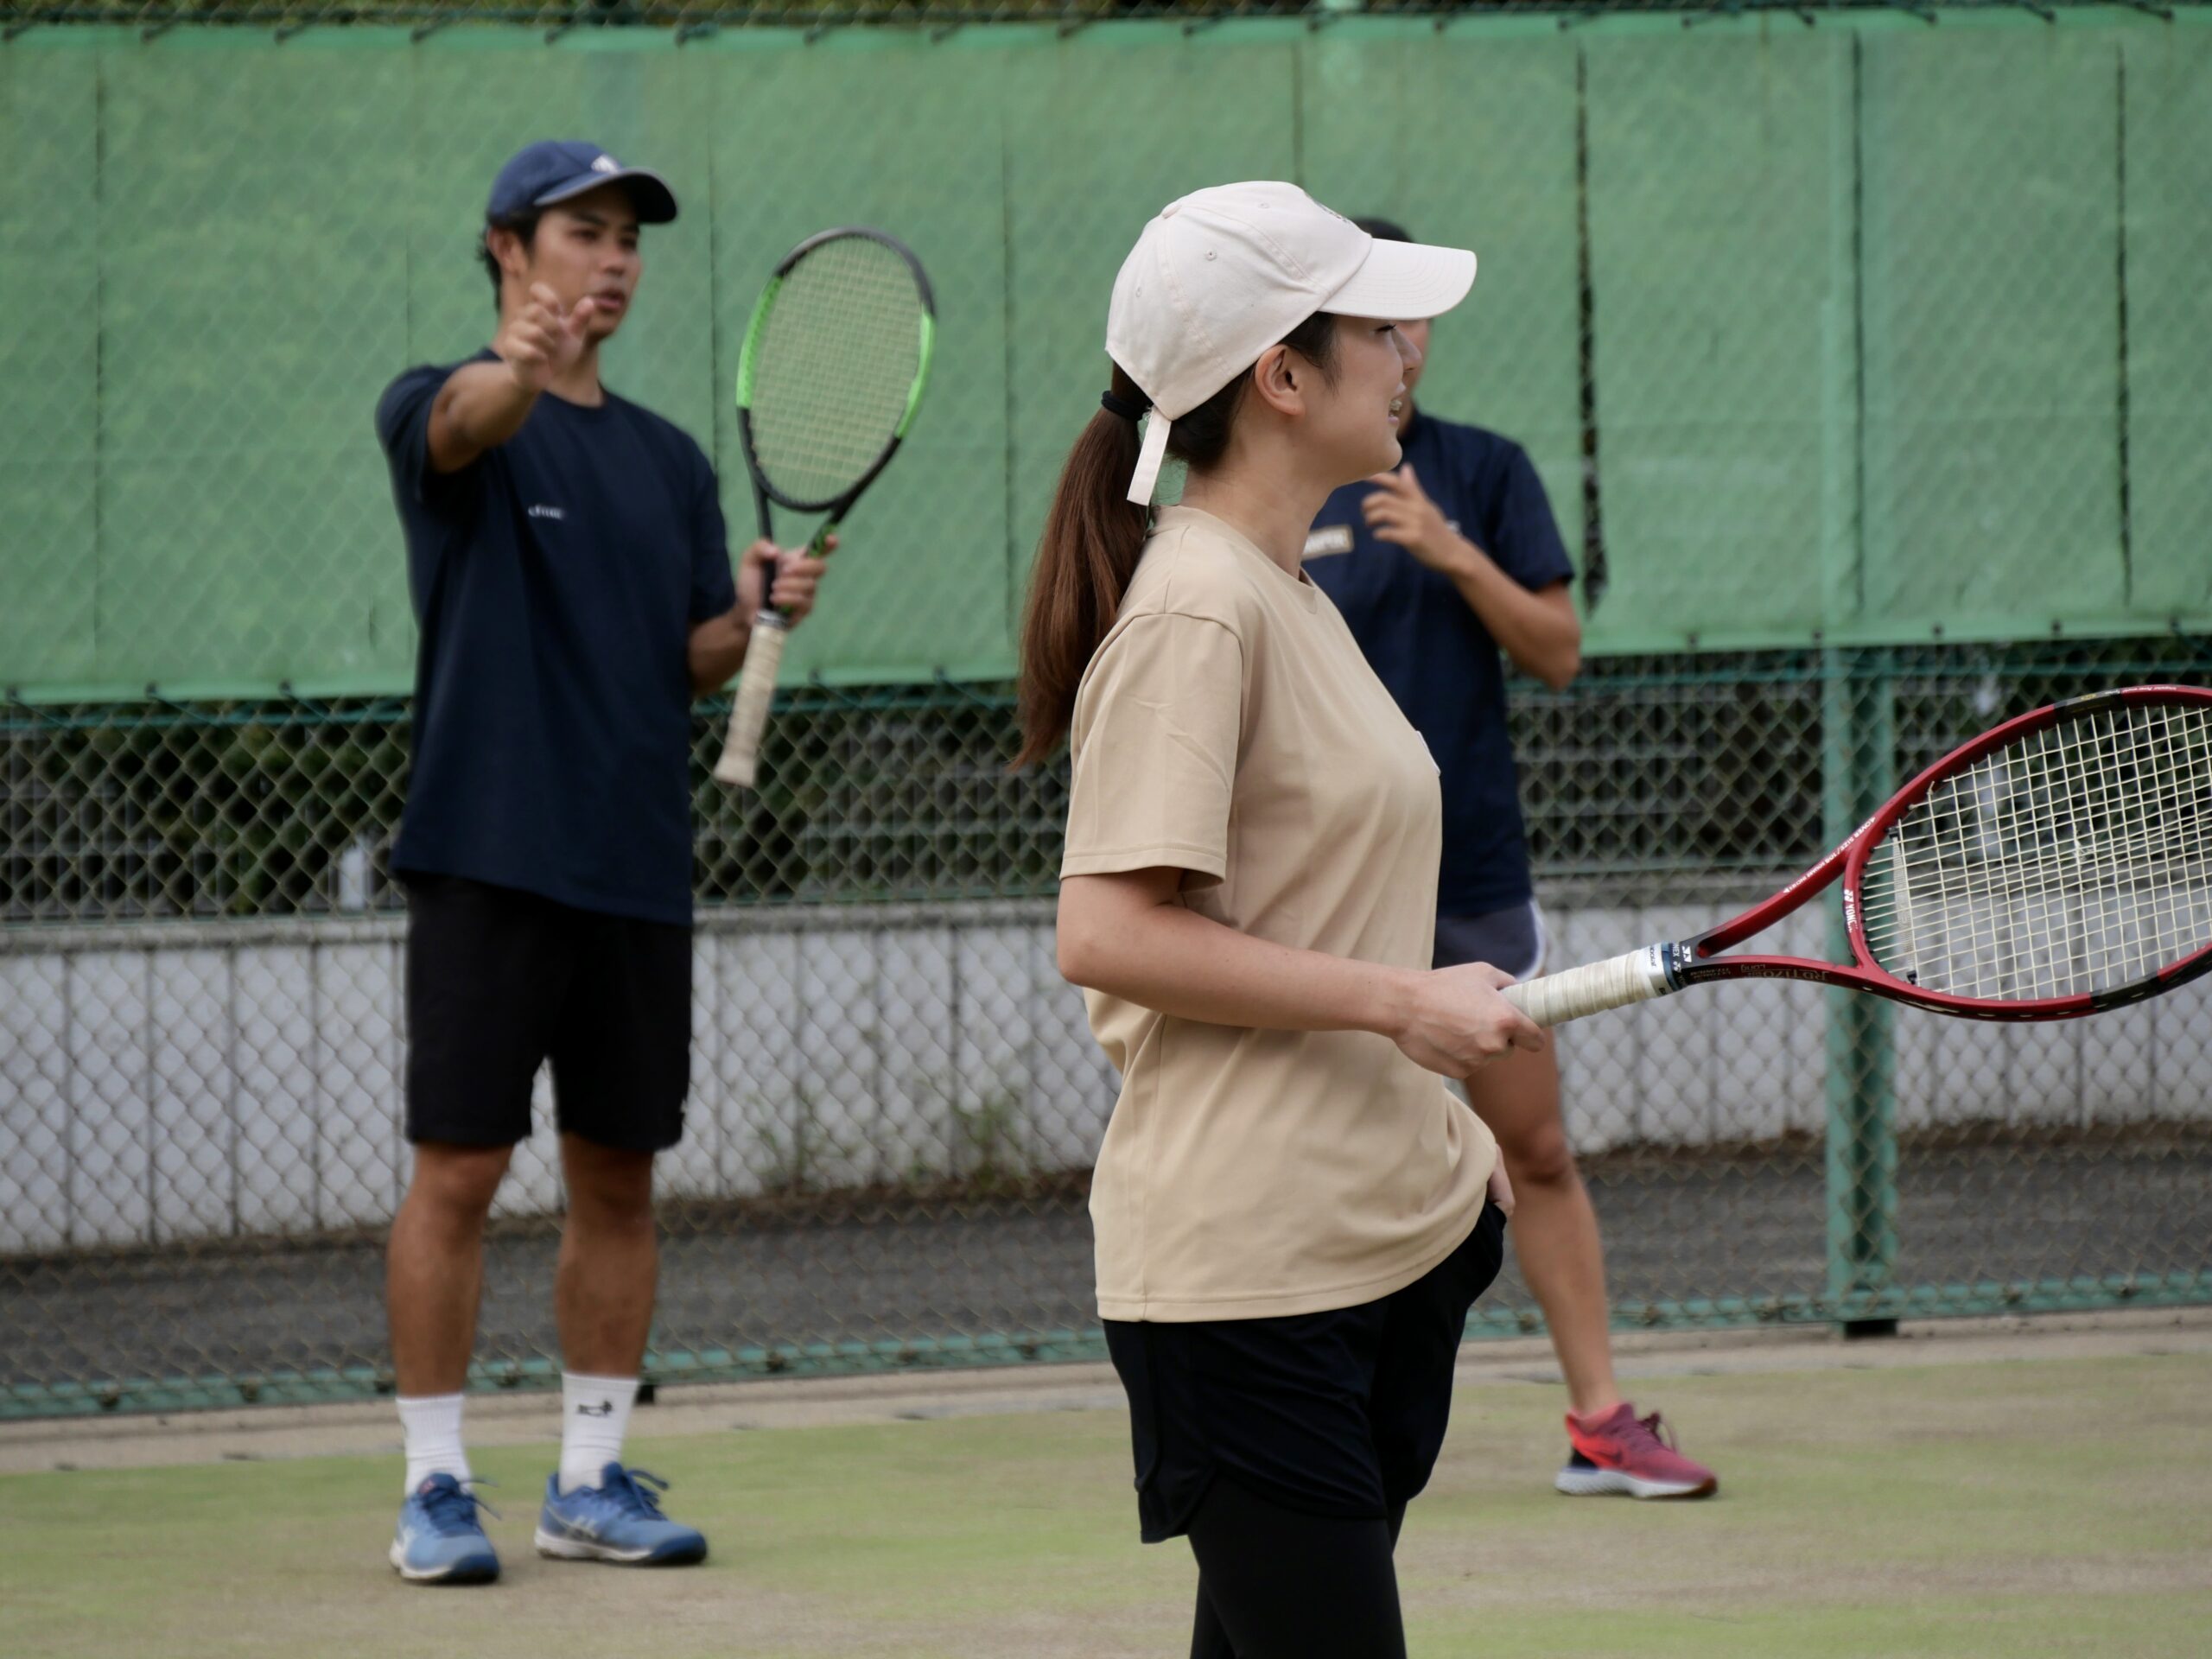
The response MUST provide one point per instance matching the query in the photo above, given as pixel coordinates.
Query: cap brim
(1405, 282)
(656, 202)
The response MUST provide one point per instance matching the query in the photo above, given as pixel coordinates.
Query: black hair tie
(1121, 406)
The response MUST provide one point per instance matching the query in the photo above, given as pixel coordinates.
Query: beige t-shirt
(1227, 725)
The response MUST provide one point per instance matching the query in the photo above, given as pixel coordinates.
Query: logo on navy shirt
(1336, 538)
(541, 511)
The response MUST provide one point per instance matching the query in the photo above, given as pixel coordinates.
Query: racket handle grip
(1557, 998)
(749, 715)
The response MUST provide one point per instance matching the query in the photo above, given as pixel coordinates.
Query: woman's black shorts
(1336, 1413)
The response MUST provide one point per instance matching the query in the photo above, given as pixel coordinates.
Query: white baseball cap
(1223, 273)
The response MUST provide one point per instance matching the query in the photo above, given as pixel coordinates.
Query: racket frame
(763, 657)
(748, 366)
(1696, 961)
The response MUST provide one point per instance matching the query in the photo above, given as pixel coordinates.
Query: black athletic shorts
(1339, 1413)
(1512, 938)
(498, 982)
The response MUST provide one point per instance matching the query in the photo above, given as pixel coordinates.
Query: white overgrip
(749, 715)
(1557, 998)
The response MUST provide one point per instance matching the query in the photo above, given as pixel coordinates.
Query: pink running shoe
(1623, 1453)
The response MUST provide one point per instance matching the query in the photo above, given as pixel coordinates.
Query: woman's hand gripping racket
(2057, 866)
(833, 368)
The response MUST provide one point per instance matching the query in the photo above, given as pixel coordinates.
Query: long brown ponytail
(1094, 537)
(1092, 540)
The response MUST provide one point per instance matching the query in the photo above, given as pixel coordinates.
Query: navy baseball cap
(554, 169)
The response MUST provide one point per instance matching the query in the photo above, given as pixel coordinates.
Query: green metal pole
(1860, 740)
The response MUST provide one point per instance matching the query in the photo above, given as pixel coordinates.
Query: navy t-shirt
(1430, 648)
(555, 580)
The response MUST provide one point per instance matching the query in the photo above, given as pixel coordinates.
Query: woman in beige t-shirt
(1292, 1213)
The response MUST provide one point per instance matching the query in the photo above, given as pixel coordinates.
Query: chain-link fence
(1827, 328)
(896, 1099)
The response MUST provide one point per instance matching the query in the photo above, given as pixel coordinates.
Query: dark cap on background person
(554, 170)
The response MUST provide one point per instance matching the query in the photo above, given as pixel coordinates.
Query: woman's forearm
(1127, 935)
(1164, 956)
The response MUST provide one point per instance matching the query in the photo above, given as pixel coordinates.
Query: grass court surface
(2021, 1506)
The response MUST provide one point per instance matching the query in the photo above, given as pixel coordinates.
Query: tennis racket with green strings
(834, 366)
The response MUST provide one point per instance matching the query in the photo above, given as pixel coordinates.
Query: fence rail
(616, 14)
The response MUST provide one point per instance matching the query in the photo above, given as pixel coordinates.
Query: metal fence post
(1859, 742)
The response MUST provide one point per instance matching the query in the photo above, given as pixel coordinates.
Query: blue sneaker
(618, 1520)
(440, 1541)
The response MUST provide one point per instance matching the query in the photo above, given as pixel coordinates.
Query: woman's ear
(1279, 378)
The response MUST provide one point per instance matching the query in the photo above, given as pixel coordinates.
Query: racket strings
(2075, 861)
(2034, 927)
(836, 358)
(2062, 845)
(2086, 897)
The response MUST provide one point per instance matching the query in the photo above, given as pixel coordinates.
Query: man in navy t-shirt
(1437, 568)
(570, 574)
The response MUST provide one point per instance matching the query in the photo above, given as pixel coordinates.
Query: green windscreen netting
(1864, 330)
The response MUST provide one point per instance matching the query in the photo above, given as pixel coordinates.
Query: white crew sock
(595, 1415)
(431, 1423)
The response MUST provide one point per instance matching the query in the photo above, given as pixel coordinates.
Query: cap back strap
(1146, 479)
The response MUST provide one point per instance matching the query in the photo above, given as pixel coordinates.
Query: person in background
(1439, 565)
(570, 572)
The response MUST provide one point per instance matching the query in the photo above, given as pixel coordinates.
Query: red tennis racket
(2056, 866)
